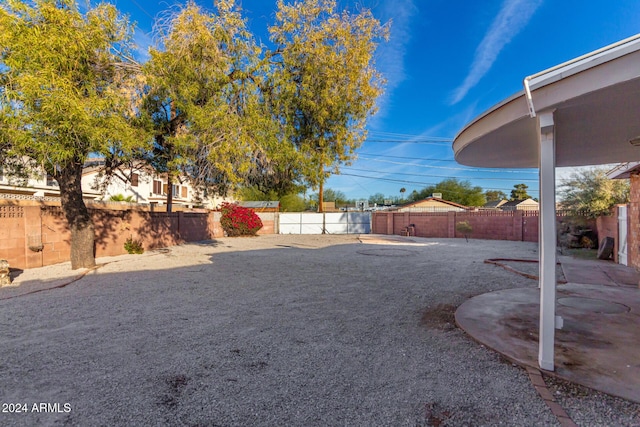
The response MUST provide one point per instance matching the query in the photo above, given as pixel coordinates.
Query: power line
(399, 138)
(441, 176)
(408, 157)
(400, 181)
(360, 185)
(405, 136)
(410, 141)
(142, 9)
(451, 168)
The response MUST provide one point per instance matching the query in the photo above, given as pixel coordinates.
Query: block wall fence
(608, 225)
(491, 225)
(515, 225)
(35, 234)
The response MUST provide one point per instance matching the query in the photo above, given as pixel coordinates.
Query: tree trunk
(77, 215)
(321, 207)
(169, 192)
(321, 197)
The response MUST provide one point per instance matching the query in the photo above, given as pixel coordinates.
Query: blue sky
(446, 62)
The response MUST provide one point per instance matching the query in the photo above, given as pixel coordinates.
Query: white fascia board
(584, 62)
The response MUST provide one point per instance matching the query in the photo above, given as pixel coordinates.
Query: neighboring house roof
(433, 203)
(494, 204)
(624, 170)
(520, 204)
(96, 166)
(517, 202)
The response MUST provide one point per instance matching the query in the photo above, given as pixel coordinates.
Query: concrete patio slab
(599, 343)
(597, 272)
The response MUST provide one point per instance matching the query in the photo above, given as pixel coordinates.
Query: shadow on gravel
(441, 317)
(14, 273)
(207, 243)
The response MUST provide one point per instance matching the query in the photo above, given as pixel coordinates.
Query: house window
(51, 181)
(157, 187)
(134, 179)
(176, 191)
(184, 192)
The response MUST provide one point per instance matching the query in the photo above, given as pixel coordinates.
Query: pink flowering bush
(239, 221)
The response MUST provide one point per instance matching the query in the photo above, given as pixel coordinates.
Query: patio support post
(547, 245)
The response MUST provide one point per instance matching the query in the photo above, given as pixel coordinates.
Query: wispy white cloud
(512, 18)
(393, 52)
(391, 55)
(453, 123)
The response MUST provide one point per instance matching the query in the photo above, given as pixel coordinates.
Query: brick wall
(12, 234)
(633, 214)
(34, 235)
(269, 223)
(608, 227)
(530, 227)
(491, 225)
(485, 224)
(56, 237)
(427, 224)
(379, 222)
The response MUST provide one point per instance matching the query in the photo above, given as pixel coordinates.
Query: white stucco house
(39, 185)
(142, 184)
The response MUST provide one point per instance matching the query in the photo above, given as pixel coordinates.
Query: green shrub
(239, 221)
(121, 198)
(133, 246)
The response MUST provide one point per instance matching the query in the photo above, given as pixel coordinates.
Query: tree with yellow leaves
(202, 97)
(65, 93)
(324, 83)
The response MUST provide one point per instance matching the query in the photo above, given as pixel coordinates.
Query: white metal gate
(331, 223)
(622, 235)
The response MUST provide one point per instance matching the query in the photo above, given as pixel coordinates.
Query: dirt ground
(272, 330)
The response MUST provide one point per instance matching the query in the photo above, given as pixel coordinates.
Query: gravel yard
(272, 331)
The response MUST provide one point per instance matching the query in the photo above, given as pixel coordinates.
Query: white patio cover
(582, 112)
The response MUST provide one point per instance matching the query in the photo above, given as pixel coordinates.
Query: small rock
(5, 278)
